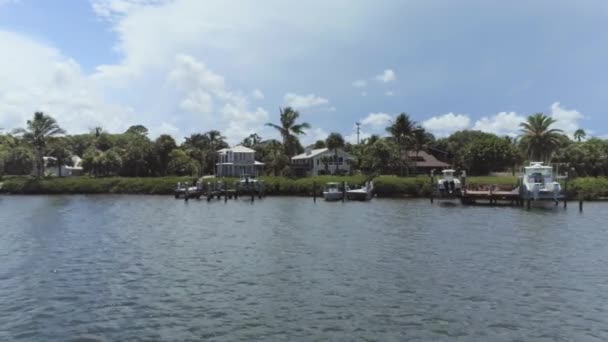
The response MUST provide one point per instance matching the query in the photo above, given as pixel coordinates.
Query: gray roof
(237, 149)
(310, 153)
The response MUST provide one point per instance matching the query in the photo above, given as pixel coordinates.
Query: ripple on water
(108, 268)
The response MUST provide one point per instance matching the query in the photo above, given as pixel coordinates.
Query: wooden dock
(492, 196)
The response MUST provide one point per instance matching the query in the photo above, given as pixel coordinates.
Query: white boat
(364, 194)
(248, 179)
(448, 185)
(185, 190)
(333, 192)
(538, 183)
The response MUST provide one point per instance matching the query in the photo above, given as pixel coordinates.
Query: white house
(237, 161)
(313, 163)
(51, 168)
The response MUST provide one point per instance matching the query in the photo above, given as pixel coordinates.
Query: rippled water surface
(131, 268)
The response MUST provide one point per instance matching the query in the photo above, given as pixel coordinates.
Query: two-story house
(320, 162)
(237, 161)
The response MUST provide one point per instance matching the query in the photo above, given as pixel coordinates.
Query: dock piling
(314, 192)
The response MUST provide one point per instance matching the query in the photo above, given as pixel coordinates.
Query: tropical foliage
(134, 154)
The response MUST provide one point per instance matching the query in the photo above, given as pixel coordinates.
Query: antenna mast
(358, 131)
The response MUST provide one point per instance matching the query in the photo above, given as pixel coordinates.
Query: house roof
(237, 149)
(428, 160)
(310, 154)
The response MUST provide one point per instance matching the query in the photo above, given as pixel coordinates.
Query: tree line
(133, 154)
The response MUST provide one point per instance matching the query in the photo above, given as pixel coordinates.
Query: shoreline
(385, 186)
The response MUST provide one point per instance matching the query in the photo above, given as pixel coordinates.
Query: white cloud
(376, 120)
(389, 93)
(386, 76)
(503, 123)
(303, 101)
(312, 135)
(257, 94)
(446, 124)
(567, 120)
(165, 128)
(36, 76)
(359, 83)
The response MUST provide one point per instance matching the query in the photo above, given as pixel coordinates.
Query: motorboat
(449, 185)
(333, 192)
(185, 190)
(248, 183)
(365, 193)
(538, 183)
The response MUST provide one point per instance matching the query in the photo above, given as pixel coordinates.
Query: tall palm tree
(59, 150)
(538, 138)
(579, 134)
(333, 142)
(288, 128)
(37, 133)
(402, 132)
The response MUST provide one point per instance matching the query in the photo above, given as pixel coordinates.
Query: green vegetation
(131, 162)
(588, 188)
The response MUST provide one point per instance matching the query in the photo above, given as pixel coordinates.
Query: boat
(448, 186)
(184, 190)
(365, 193)
(538, 184)
(333, 192)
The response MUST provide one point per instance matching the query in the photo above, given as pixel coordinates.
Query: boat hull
(333, 196)
(358, 196)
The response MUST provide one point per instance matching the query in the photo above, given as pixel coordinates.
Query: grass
(385, 186)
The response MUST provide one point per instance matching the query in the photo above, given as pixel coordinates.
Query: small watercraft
(333, 192)
(365, 193)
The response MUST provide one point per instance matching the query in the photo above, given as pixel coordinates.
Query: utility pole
(358, 131)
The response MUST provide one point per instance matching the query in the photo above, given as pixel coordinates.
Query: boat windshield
(539, 175)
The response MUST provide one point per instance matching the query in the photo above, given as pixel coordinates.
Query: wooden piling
(314, 192)
(343, 191)
(580, 206)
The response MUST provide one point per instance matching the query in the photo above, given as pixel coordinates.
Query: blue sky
(183, 66)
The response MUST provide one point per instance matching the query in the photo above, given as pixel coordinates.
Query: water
(145, 268)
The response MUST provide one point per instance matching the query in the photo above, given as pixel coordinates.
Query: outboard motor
(452, 186)
(446, 187)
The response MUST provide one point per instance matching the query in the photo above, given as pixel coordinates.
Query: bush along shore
(587, 188)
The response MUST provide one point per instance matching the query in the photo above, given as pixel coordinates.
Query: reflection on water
(110, 268)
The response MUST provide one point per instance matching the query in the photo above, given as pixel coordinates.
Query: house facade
(314, 162)
(52, 170)
(237, 161)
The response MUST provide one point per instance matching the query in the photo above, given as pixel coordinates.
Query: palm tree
(579, 134)
(420, 141)
(538, 138)
(402, 132)
(325, 160)
(288, 128)
(333, 142)
(38, 131)
(59, 150)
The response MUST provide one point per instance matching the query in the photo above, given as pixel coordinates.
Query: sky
(186, 66)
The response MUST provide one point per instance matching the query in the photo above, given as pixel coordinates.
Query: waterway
(151, 268)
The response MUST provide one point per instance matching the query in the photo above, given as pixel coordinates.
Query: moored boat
(539, 184)
(365, 193)
(448, 186)
(333, 192)
(184, 190)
